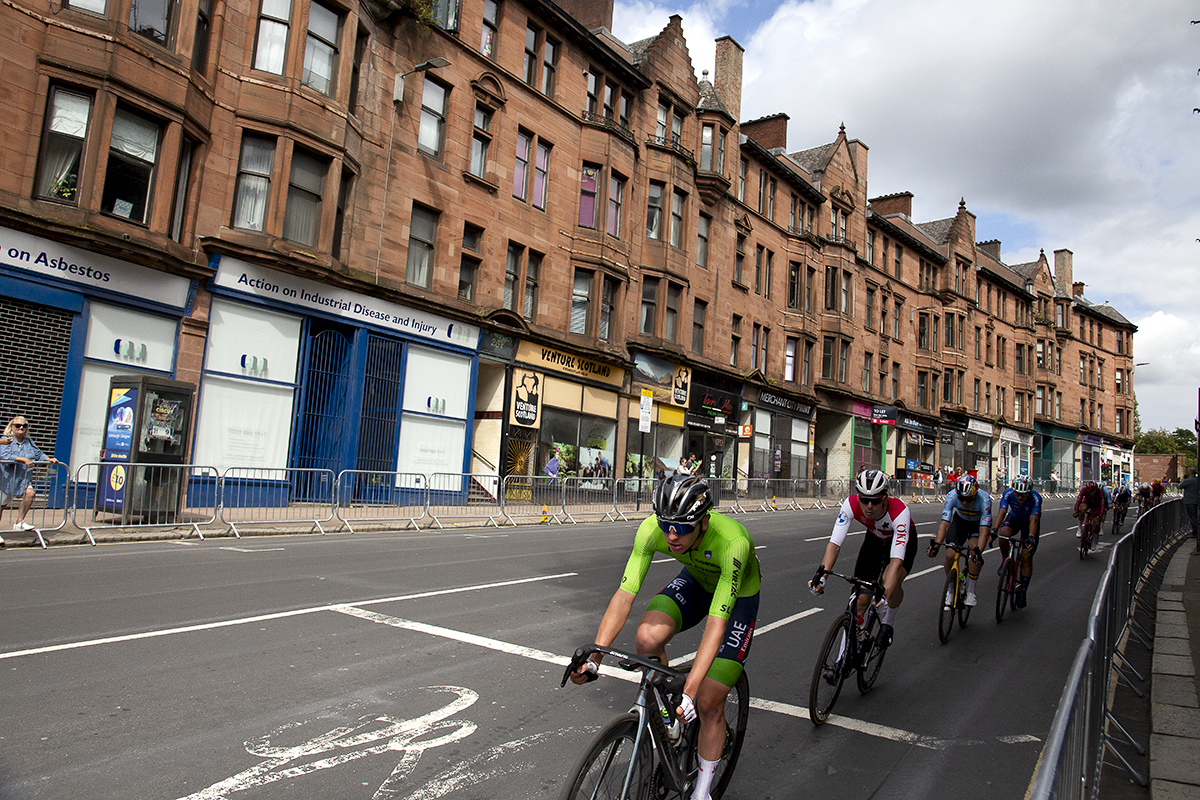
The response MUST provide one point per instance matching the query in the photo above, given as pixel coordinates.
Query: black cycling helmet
(682, 498)
(871, 483)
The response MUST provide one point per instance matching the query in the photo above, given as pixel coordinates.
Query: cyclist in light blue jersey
(966, 517)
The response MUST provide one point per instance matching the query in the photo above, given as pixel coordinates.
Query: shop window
(67, 116)
(422, 237)
(274, 20)
(433, 117)
(302, 217)
(129, 174)
(252, 193)
(320, 50)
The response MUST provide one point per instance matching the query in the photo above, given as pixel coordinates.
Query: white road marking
(252, 549)
(278, 615)
(485, 535)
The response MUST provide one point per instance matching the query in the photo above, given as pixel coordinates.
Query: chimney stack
(591, 14)
(1063, 268)
(1077, 289)
(727, 77)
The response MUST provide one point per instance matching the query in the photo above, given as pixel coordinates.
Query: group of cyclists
(719, 582)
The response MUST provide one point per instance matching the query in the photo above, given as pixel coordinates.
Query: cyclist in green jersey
(718, 584)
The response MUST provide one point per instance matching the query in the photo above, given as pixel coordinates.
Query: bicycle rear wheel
(1004, 589)
(946, 610)
(872, 659)
(830, 670)
(601, 770)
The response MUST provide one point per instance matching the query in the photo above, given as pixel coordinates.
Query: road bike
(1119, 511)
(954, 592)
(1010, 578)
(1091, 533)
(852, 644)
(649, 753)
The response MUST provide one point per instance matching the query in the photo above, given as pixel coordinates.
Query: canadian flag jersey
(895, 525)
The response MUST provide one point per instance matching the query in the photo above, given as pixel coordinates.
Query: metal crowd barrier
(50, 483)
(726, 495)
(459, 496)
(634, 496)
(1084, 728)
(260, 496)
(366, 496)
(536, 496)
(590, 497)
(113, 495)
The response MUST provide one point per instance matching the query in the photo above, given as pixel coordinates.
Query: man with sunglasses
(1020, 516)
(718, 584)
(966, 518)
(889, 547)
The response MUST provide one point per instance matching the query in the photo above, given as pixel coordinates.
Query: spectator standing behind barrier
(17, 454)
(1189, 487)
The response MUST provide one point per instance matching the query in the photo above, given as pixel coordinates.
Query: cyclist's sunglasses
(870, 501)
(676, 528)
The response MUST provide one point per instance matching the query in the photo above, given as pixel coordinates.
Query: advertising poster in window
(118, 435)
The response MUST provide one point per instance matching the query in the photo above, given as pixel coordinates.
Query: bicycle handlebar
(627, 661)
(876, 588)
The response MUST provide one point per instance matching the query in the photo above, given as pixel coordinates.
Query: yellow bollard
(773, 502)
(545, 515)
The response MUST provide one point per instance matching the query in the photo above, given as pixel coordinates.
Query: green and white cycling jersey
(722, 561)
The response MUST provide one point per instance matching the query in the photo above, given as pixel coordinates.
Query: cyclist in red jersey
(888, 548)
(1090, 502)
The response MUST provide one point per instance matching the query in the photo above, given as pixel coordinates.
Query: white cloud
(1064, 124)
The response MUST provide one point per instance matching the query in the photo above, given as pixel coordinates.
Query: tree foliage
(1158, 441)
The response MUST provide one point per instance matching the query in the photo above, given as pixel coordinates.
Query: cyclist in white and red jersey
(888, 549)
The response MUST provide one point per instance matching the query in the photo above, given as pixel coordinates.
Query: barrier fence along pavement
(50, 483)
(1084, 728)
(460, 496)
(129, 496)
(370, 496)
(112, 495)
(254, 496)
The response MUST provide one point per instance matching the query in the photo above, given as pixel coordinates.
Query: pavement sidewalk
(1175, 702)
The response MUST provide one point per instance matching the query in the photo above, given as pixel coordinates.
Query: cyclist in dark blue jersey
(1021, 513)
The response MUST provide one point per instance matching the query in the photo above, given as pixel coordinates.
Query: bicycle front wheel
(602, 770)
(830, 670)
(872, 659)
(946, 603)
(1004, 589)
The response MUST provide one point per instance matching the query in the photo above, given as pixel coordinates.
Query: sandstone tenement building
(470, 236)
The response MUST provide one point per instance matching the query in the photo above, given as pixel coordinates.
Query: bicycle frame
(648, 712)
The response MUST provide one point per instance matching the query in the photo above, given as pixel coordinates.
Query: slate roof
(812, 159)
(709, 100)
(1102, 310)
(1026, 271)
(640, 48)
(938, 230)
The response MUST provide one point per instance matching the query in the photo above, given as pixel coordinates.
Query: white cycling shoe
(971, 601)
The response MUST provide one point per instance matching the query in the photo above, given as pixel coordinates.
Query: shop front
(305, 375)
(782, 431)
(74, 320)
(712, 425)
(1013, 460)
(977, 450)
(1089, 458)
(916, 445)
(1054, 455)
(667, 445)
(563, 412)
(1116, 464)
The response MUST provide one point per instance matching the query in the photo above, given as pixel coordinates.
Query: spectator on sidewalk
(17, 453)
(1190, 494)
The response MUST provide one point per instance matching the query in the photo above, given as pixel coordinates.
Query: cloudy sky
(1064, 124)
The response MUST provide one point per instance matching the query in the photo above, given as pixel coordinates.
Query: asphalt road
(423, 665)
